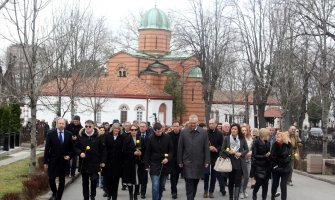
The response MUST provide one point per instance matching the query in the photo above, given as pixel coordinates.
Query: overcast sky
(113, 10)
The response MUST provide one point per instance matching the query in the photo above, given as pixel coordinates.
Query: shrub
(11, 196)
(40, 163)
(35, 185)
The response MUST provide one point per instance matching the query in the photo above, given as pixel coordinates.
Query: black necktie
(61, 137)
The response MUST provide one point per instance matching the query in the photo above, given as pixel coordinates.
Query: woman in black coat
(262, 164)
(236, 148)
(113, 170)
(132, 147)
(281, 159)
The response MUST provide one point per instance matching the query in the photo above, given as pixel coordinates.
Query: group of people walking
(134, 151)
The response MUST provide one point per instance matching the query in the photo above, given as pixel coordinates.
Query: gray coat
(193, 152)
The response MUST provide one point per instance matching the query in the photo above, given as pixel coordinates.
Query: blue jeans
(158, 183)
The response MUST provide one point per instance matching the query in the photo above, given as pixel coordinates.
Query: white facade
(136, 109)
(222, 112)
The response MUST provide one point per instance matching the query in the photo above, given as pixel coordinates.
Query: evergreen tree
(15, 121)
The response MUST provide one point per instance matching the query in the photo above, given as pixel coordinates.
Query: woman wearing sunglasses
(132, 147)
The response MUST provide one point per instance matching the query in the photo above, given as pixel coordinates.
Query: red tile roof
(227, 97)
(273, 112)
(105, 87)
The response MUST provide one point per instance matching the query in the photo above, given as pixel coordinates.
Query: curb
(314, 177)
(48, 194)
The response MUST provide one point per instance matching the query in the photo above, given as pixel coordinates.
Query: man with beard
(175, 169)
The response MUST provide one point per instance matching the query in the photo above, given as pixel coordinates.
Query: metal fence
(315, 146)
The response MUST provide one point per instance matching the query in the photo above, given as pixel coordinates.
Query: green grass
(4, 157)
(12, 175)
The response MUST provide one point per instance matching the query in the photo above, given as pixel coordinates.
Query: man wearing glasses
(58, 149)
(91, 149)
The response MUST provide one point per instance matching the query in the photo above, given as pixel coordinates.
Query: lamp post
(155, 115)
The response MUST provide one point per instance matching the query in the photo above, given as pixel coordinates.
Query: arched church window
(122, 72)
(123, 113)
(139, 112)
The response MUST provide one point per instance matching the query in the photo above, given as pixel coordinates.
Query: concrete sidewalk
(326, 178)
(17, 154)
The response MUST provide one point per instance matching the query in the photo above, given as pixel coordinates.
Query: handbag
(223, 165)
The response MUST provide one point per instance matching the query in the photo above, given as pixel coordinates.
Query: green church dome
(195, 72)
(155, 19)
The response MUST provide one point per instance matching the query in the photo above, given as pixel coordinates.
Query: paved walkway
(17, 154)
(20, 153)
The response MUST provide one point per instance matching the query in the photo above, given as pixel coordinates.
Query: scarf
(234, 143)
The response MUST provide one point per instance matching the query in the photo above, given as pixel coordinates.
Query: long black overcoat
(55, 151)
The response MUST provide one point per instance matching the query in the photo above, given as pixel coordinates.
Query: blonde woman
(262, 166)
(247, 167)
(281, 158)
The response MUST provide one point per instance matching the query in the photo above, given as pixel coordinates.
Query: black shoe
(252, 186)
(124, 187)
(174, 196)
(277, 194)
(223, 193)
(142, 196)
(105, 194)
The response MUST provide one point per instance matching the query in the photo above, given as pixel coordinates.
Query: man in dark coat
(175, 169)
(143, 174)
(193, 155)
(125, 133)
(91, 149)
(74, 127)
(157, 155)
(215, 144)
(58, 149)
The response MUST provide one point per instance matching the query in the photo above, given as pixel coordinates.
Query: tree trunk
(303, 101)
(261, 119)
(33, 141)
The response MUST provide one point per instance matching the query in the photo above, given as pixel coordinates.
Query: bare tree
(3, 4)
(318, 16)
(24, 15)
(257, 35)
(207, 34)
(84, 47)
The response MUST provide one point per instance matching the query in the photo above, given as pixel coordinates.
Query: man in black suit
(58, 149)
(143, 174)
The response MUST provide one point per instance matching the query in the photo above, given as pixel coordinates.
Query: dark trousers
(112, 185)
(73, 165)
(191, 188)
(235, 179)
(174, 177)
(143, 178)
(261, 182)
(283, 184)
(222, 180)
(86, 178)
(58, 193)
(211, 183)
